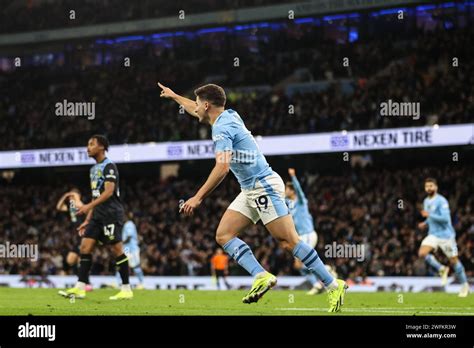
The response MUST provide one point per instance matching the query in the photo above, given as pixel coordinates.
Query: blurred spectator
(361, 208)
(128, 108)
(19, 16)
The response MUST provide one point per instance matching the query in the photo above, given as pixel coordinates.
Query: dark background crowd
(402, 63)
(374, 206)
(33, 15)
(283, 77)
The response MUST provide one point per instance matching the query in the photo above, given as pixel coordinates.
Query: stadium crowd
(282, 68)
(35, 15)
(362, 208)
(128, 108)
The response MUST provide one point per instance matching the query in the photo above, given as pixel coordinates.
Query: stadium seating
(360, 209)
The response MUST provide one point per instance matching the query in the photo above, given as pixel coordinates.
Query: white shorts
(310, 238)
(133, 258)
(447, 246)
(266, 201)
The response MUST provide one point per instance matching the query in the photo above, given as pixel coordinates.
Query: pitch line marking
(391, 310)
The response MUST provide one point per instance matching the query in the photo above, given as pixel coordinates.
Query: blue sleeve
(127, 231)
(298, 189)
(443, 216)
(425, 208)
(222, 138)
(134, 230)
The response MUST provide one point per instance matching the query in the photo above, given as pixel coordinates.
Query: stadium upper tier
(297, 68)
(34, 15)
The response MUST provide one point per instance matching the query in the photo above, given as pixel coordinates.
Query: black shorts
(220, 273)
(109, 233)
(76, 241)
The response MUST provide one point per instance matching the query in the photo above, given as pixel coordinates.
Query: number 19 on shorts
(262, 202)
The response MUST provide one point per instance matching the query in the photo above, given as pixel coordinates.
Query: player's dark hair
(289, 184)
(214, 94)
(433, 180)
(101, 140)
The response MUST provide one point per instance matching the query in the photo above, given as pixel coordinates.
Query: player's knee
(222, 238)
(453, 260)
(284, 245)
(422, 253)
(72, 259)
(223, 235)
(288, 241)
(86, 247)
(287, 245)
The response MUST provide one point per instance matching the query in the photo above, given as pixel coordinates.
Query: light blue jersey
(130, 231)
(439, 220)
(248, 163)
(299, 210)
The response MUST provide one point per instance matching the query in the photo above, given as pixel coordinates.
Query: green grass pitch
(186, 302)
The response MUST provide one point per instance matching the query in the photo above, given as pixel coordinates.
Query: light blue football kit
(262, 196)
(299, 210)
(304, 223)
(441, 234)
(131, 249)
(439, 220)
